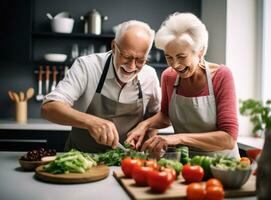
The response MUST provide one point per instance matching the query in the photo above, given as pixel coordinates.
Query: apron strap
(105, 70)
(209, 79)
(139, 90)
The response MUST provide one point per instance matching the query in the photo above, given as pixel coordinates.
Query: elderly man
(106, 95)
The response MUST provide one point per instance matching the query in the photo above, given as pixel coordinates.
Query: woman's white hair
(125, 26)
(185, 27)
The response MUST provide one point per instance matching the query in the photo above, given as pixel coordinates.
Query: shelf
(71, 35)
(69, 63)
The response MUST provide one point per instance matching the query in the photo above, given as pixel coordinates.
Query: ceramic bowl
(231, 178)
(32, 165)
(62, 25)
(55, 57)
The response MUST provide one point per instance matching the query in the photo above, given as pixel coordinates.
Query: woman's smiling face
(182, 58)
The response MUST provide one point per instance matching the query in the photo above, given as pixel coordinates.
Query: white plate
(55, 57)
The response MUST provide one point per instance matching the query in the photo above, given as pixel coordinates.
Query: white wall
(266, 49)
(233, 34)
(241, 52)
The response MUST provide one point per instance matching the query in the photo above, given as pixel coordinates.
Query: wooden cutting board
(93, 174)
(177, 189)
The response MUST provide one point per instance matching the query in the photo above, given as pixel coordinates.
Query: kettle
(93, 22)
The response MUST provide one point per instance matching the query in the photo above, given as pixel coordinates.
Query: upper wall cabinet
(15, 18)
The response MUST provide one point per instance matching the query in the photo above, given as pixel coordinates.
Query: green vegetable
(72, 161)
(230, 164)
(184, 154)
(113, 157)
(177, 166)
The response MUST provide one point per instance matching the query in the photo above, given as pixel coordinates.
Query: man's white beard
(125, 78)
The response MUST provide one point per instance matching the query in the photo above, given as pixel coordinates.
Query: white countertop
(244, 142)
(33, 124)
(16, 184)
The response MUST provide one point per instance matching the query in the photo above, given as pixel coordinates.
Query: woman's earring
(201, 63)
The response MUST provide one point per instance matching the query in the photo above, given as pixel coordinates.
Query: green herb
(113, 157)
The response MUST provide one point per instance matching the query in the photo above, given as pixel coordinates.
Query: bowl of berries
(34, 158)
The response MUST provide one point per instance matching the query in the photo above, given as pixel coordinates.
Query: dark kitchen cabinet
(15, 34)
(25, 36)
(27, 140)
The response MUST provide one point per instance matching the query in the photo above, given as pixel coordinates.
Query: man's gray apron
(124, 116)
(195, 115)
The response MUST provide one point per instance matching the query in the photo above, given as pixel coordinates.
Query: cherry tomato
(192, 173)
(195, 191)
(171, 171)
(128, 164)
(159, 181)
(151, 163)
(214, 193)
(213, 182)
(140, 175)
(245, 160)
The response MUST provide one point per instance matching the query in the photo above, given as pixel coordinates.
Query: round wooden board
(93, 174)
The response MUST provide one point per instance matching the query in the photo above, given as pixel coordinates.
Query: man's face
(129, 57)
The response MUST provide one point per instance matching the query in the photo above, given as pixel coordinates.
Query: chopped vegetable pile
(114, 157)
(72, 161)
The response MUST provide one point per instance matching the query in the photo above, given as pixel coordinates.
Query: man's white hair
(125, 26)
(184, 27)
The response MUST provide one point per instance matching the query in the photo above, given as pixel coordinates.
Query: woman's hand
(158, 143)
(136, 136)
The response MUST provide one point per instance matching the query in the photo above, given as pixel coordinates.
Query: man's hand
(104, 132)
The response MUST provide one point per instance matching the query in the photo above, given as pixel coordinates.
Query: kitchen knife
(122, 147)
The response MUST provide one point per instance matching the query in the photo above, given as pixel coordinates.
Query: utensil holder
(21, 112)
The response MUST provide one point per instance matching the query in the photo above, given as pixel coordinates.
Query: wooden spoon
(21, 95)
(15, 96)
(29, 93)
(11, 95)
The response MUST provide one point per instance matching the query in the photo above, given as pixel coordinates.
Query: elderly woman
(198, 97)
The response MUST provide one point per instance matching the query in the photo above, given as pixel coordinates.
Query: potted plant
(260, 114)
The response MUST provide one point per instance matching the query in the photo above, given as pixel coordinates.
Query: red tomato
(128, 164)
(159, 181)
(253, 153)
(140, 175)
(151, 163)
(192, 173)
(213, 182)
(195, 191)
(171, 171)
(214, 193)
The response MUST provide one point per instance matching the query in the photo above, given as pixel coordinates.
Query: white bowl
(62, 25)
(231, 178)
(63, 14)
(55, 57)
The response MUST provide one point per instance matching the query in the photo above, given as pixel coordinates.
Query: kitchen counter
(244, 142)
(16, 184)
